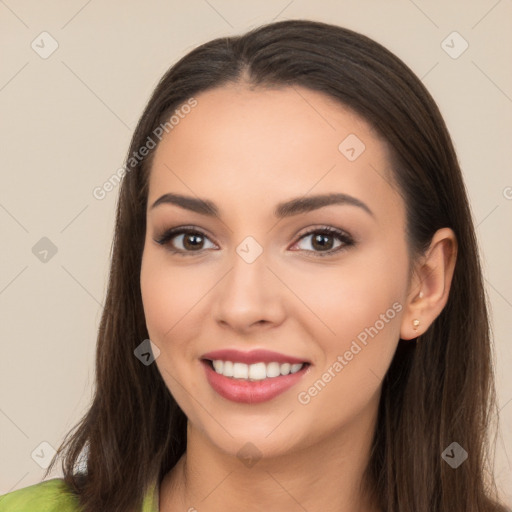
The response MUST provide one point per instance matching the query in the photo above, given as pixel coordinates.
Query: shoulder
(48, 496)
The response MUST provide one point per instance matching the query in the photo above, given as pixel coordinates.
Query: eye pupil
(320, 239)
(192, 236)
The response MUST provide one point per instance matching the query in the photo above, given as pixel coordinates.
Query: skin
(247, 149)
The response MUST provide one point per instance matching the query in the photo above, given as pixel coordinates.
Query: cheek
(357, 339)
(167, 295)
(351, 297)
(158, 298)
(357, 310)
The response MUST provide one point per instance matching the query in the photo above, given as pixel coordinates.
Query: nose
(250, 295)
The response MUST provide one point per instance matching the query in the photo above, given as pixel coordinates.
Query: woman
(293, 235)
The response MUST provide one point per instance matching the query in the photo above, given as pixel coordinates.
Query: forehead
(270, 144)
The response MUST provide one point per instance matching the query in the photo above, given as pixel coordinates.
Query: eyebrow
(285, 209)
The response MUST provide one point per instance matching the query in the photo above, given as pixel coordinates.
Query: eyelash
(344, 237)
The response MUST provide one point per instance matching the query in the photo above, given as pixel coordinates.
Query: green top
(55, 496)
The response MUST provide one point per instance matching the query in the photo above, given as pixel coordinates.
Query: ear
(430, 284)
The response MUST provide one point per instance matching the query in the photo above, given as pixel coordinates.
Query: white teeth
(227, 370)
(285, 368)
(240, 371)
(295, 367)
(256, 371)
(273, 370)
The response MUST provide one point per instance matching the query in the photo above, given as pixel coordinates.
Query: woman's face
(262, 276)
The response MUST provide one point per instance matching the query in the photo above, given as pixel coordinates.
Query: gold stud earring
(415, 324)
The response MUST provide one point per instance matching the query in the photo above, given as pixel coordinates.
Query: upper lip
(251, 357)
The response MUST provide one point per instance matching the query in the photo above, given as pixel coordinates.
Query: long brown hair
(436, 392)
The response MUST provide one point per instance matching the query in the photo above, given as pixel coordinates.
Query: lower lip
(251, 392)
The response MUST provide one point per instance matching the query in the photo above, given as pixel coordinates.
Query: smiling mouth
(254, 372)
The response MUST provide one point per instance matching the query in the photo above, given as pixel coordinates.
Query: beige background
(66, 124)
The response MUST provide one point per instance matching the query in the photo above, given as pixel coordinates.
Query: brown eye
(187, 241)
(323, 241)
(183, 241)
(192, 241)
